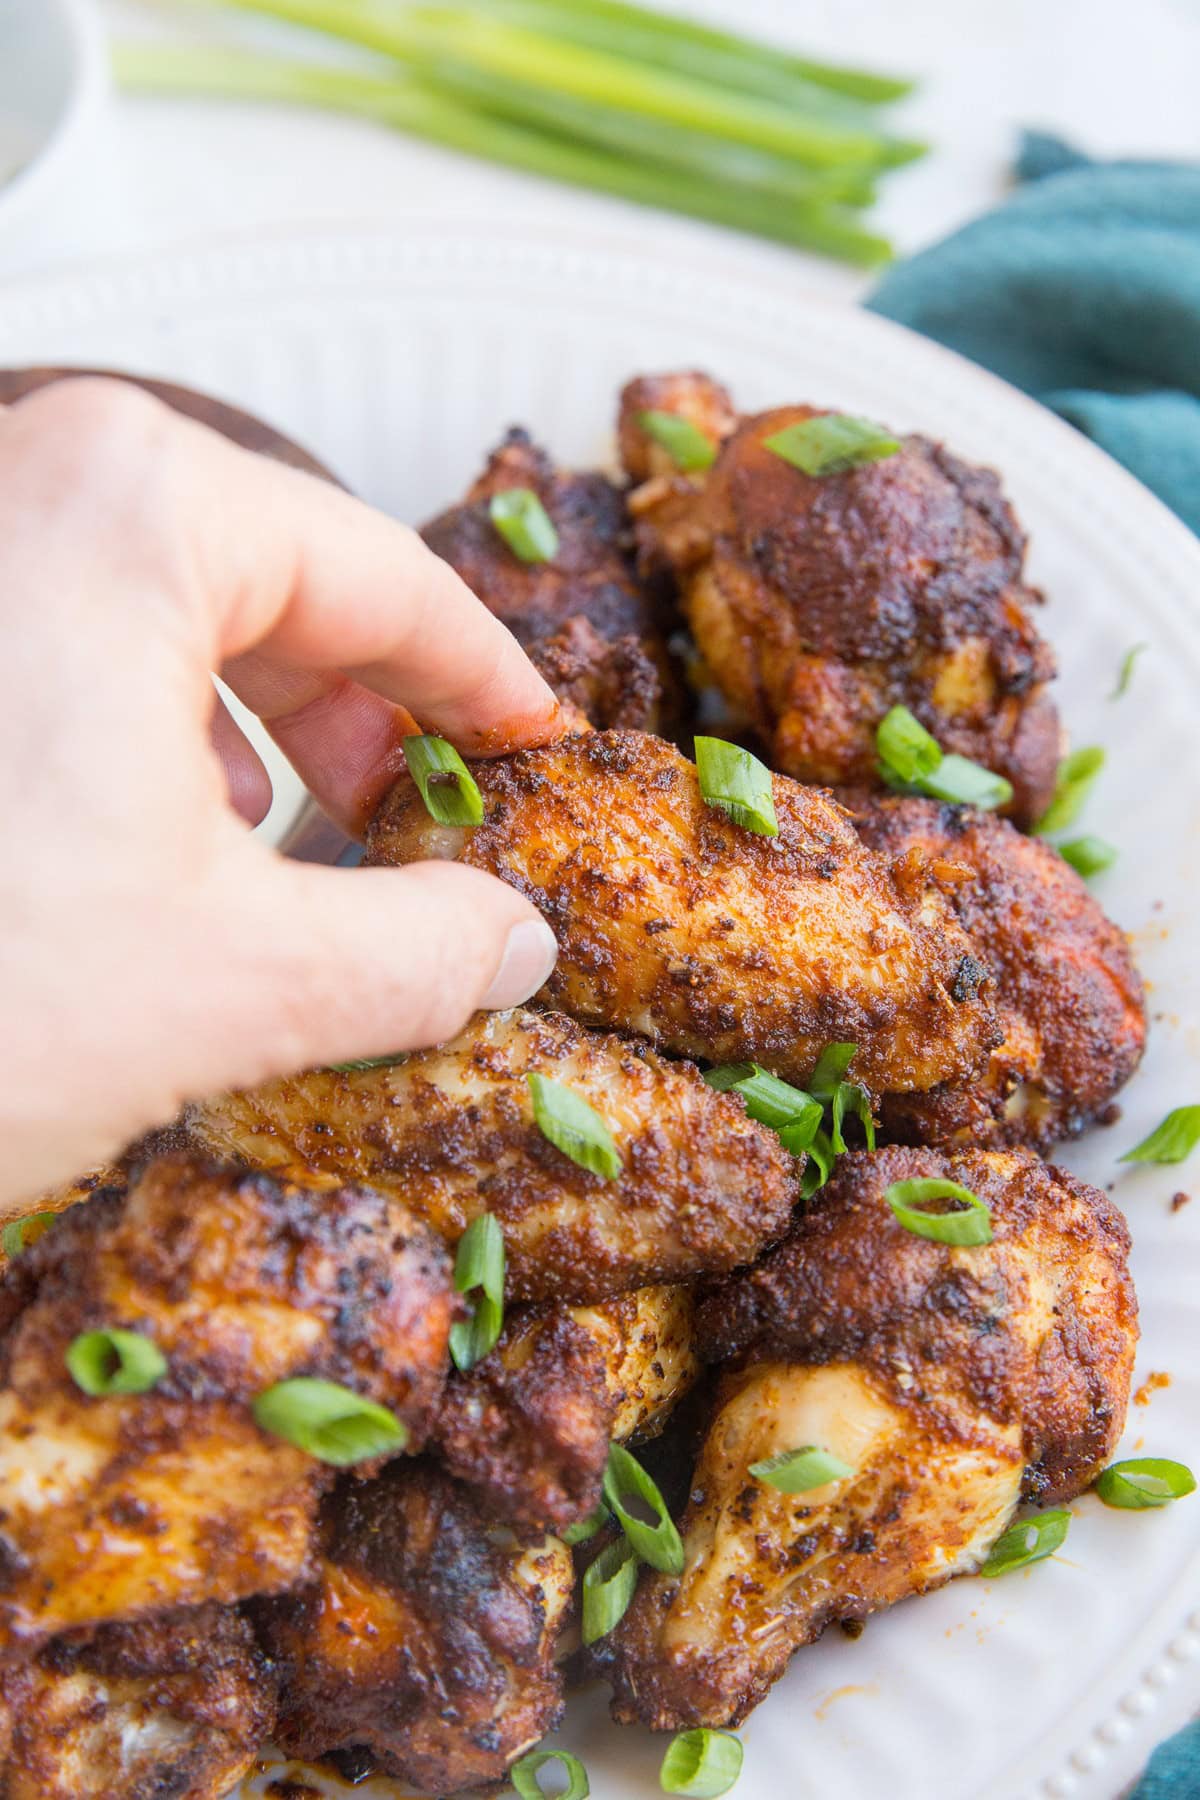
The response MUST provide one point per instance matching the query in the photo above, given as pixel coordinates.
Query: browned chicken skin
(674, 922)
(426, 1638)
(951, 1382)
(451, 1131)
(819, 603)
(176, 1706)
(116, 1506)
(1068, 995)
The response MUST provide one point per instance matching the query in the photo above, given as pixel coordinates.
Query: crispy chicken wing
(819, 603)
(951, 1381)
(116, 1506)
(176, 1705)
(428, 1636)
(610, 682)
(712, 941)
(452, 1132)
(529, 1427)
(1067, 992)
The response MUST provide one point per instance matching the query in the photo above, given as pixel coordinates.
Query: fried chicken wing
(590, 581)
(950, 1381)
(1067, 992)
(610, 682)
(428, 1636)
(452, 1132)
(124, 1504)
(820, 603)
(674, 922)
(177, 1705)
(528, 1428)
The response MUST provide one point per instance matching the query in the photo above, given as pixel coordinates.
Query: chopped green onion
(701, 1763)
(18, 1234)
(524, 524)
(912, 760)
(970, 1224)
(831, 443)
(738, 783)
(115, 1362)
(797, 1471)
(361, 1063)
(684, 442)
(573, 1126)
(1029, 1541)
(1125, 673)
(769, 1100)
(831, 1066)
(330, 1422)
(609, 1584)
(1076, 776)
(849, 1097)
(446, 784)
(524, 1776)
(819, 1166)
(1143, 1482)
(584, 1529)
(1088, 855)
(479, 1273)
(1171, 1141)
(658, 1544)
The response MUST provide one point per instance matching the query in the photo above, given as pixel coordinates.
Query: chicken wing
(428, 1637)
(819, 603)
(176, 1705)
(950, 1381)
(1068, 995)
(528, 1428)
(452, 1132)
(714, 942)
(115, 1506)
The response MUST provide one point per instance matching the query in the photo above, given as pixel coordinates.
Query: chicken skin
(427, 1638)
(951, 1382)
(711, 941)
(128, 1503)
(528, 1428)
(176, 1705)
(451, 1131)
(818, 603)
(589, 582)
(1068, 995)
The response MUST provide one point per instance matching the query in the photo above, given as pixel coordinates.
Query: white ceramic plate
(398, 358)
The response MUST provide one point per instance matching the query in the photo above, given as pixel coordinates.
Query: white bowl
(52, 80)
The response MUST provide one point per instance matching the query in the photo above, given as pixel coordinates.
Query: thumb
(333, 964)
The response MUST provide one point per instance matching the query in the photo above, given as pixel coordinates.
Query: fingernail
(528, 961)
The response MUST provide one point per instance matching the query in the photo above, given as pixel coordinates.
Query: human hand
(150, 947)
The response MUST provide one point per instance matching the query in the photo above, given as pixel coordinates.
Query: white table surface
(1121, 76)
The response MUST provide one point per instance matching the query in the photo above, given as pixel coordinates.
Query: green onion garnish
(115, 1362)
(1125, 672)
(658, 1544)
(609, 1584)
(524, 524)
(970, 1223)
(18, 1234)
(584, 1529)
(1028, 1542)
(819, 1166)
(796, 1116)
(848, 1097)
(701, 1763)
(446, 784)
(330, 1422)
(1088, 855)
(738, 783)
(1171, 1141)
(912, 760)
(769, 1100)
(479, 1274)
(524, 1776)
(1073, 783)
(573, 1126)
(831, 443)
(683, 442)
(830, 1068)
(796, 1471)
(1144, 1481)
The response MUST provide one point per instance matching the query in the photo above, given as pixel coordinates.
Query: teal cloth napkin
(1084, 290)
(1174, 1771)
